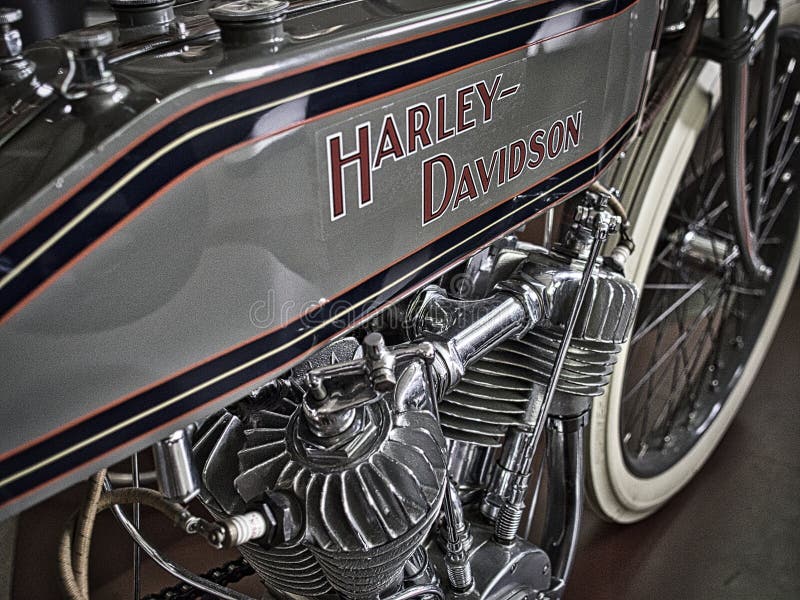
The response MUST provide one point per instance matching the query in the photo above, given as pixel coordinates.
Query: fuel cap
(244, 22)
(87, 58)
(140, 13)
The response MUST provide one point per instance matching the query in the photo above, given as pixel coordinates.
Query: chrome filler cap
(142, 13)
(244, 22)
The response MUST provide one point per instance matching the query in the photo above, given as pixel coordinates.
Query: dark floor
(734, 532)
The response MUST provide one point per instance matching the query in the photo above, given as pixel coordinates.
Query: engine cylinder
(288, 570)
(369, 495)
(495, 390)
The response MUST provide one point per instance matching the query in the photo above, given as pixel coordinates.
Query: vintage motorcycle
(368, 274)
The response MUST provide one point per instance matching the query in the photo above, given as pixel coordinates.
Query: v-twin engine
(375, 470)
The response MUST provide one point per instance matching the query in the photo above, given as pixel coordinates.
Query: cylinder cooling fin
(288, 570)
(495, 391)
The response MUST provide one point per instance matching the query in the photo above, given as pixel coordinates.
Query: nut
(284, 511)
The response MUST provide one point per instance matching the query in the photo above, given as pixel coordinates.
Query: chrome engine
(374, 470)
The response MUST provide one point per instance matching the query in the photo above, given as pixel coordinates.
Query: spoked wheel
(703, 326)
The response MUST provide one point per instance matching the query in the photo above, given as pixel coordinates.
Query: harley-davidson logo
(445, 184)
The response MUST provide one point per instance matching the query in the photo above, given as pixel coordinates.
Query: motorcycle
(368, 275)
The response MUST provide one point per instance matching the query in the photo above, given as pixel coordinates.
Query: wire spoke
(670, 351)
(774, 214)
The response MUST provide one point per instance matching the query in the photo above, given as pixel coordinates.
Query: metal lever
(377, 366)
(367, 378)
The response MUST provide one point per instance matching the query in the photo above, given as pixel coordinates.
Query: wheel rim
(699, 318)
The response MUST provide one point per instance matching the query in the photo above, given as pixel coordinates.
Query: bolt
(380, 362)
(284, 515)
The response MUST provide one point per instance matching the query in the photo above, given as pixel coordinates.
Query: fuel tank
(230, 202)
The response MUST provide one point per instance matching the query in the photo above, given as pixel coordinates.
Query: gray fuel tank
(230, 207)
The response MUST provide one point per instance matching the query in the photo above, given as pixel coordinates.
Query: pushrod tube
(564, 491)
(520, 462)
